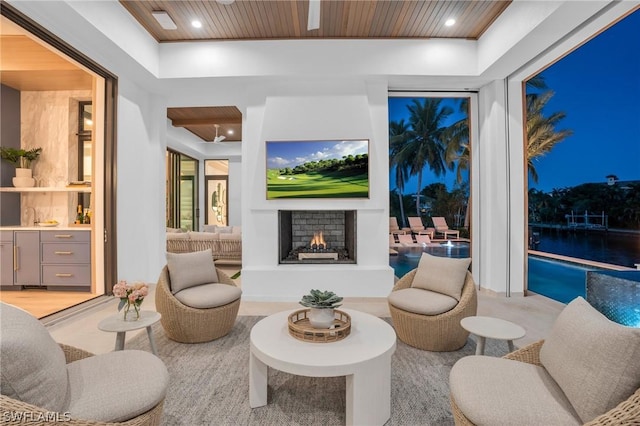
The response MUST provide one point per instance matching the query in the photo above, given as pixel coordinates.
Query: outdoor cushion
(209, 295)
(209, 228)
(594, 360)
(191, 269)
(33, 367)
(421, 301)
(441, 274)
(116, 386)
(498, 391)
(202, 235)
(177, 236)
(230, 236)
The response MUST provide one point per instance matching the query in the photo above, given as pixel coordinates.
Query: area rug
(209, 384)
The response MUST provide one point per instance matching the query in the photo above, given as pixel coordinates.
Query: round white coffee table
(492, 328)
(117, 324)
(364, 357)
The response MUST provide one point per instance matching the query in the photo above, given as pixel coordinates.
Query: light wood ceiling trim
(20, 53)
(287, 19)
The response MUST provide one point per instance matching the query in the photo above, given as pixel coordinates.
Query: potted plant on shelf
(322, 305)
(21, 158)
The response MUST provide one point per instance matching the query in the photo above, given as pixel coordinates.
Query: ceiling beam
(183, 122)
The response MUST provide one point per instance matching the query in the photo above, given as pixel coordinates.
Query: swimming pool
(408, 257)
(558, 280)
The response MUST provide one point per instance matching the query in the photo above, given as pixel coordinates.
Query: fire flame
(318, 239)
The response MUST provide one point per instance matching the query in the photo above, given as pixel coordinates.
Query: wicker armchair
(438, 333)
(9, 406)
(625, 413)
(185, 324)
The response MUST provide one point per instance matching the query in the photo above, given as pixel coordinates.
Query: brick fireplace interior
(317, 236)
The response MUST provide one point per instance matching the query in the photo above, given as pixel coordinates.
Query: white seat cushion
(209, 295)
(595, 361)
(421, 301)
(501, 392)
(442, 274)
(116, 386)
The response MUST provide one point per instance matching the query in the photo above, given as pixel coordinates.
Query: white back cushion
(444, 275)
(191, 269)
(33, 367)
(595, 361)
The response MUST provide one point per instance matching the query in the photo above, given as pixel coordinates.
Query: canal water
(616, 248)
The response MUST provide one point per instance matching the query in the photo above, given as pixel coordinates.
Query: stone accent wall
(331, 223)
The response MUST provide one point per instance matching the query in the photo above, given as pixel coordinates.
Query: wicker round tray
(300, 328)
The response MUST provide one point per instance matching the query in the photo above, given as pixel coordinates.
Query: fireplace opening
(317, 236)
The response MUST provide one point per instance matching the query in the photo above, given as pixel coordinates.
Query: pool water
(561, 281)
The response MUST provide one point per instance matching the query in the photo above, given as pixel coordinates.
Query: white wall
(326, 110)
(140, 190)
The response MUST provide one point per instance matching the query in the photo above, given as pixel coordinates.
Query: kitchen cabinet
(55, 259)
(26, 260)
(66, 258)
(6, 259)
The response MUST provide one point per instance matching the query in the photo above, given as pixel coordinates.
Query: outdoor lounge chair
(394, 228)
(442, 228)
(406, 240)
(427, 304)
(423, 239)
(417, 227)
(584, 372)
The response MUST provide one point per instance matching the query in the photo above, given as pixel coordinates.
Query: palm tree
(542, 135)
(398, 136)
(425, 145)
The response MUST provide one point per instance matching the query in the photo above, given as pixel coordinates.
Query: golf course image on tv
(318, 169)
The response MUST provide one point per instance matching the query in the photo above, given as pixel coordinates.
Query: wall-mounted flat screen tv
(317, 169)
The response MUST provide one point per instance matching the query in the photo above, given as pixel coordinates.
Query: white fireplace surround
(333, 111)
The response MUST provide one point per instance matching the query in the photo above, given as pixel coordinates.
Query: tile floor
(535, 313)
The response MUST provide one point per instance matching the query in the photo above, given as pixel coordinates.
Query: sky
(598, 87)
(293, 153)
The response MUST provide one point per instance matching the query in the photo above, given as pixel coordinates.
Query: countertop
(47, 228)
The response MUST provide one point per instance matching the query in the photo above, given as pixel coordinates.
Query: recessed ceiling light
(450, 22)
(196, 24)
(230, 131)
(164, 20)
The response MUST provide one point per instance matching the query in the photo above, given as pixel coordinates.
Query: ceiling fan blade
(313, 21)
(219, 139)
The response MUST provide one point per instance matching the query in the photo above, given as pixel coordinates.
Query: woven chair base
(436, 333)
(185, 324)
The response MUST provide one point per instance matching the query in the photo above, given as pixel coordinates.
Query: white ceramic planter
(23, 178)
(321, 318)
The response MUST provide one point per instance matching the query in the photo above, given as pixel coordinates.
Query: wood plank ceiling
(287, 19)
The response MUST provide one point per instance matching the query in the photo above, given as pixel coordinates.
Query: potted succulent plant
(21, 158)
(322, 305)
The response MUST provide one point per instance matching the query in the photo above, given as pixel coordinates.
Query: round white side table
(116, 324)
(492, 328)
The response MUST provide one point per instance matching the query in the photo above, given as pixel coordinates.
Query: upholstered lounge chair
(43, 380)
(394, 228)
(199, 303)
(428, 303)
(585, 372)
(443, 229)
(415, 223)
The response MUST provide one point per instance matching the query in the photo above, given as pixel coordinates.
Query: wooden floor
(41, 303)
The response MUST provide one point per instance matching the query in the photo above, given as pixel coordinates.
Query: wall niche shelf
(47, 189)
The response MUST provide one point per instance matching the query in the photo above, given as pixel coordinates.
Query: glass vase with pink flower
(131, 297)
